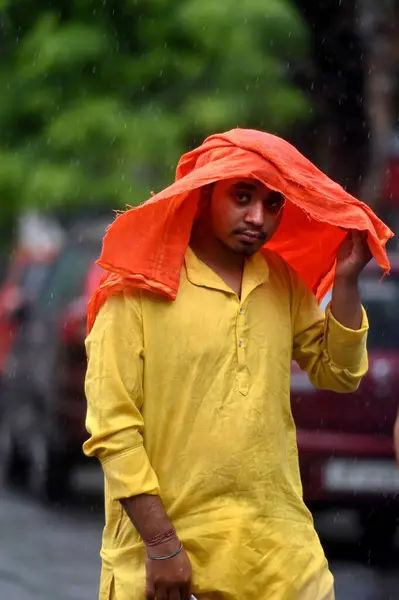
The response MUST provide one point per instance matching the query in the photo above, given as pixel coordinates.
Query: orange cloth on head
(145, 246)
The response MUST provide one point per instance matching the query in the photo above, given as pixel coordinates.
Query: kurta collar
(256, 272)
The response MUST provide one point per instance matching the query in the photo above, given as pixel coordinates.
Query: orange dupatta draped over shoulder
(145, 246)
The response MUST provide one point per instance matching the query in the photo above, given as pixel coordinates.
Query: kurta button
(240, 343)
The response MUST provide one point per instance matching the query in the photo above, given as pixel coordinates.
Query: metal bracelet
(180, 548)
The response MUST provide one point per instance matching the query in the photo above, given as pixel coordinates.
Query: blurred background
(98, 100)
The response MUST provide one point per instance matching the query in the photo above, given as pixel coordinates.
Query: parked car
(42, 429)
(25, 275)
(346, 441)
(389, 202)
(396, 437)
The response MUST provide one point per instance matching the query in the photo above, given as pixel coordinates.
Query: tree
(99, 98)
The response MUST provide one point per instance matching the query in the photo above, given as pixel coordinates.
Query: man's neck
(223, 261)
(213, 253)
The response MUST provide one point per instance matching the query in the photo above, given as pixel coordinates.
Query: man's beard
(246, 250)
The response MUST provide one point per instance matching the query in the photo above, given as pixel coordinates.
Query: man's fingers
(186, 592)
(175, 594)
(347, 244)
(359, 243)
(359, 237)
(149, 591)
(162, 594)
(360, 240)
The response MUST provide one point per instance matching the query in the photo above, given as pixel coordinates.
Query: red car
(71, 360)
(43, 415)
(25, 274)
(345, 441)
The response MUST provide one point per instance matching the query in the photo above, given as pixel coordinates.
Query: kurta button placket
(242, 368)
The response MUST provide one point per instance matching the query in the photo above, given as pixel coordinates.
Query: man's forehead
(246, 183)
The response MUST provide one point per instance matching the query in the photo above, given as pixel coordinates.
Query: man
(189, 409)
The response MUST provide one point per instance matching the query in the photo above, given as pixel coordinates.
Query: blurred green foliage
(99, 98)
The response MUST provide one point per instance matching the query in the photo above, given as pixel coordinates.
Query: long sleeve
(334, 357)
(114, 392)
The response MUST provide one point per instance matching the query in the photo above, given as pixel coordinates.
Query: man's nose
(255, 214)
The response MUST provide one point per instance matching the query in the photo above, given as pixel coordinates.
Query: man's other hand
(353, 255)
(168, 579)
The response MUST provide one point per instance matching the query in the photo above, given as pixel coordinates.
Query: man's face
(244, 214)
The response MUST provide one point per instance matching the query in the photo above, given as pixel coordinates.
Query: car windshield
(66, 279)
(381, 301)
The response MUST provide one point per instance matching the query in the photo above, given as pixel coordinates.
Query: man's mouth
(251, 236)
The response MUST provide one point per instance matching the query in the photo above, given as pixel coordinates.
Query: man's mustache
(256, 233)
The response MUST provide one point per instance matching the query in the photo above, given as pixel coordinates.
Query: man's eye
(272, 203)
(243, 197)
(274, 200)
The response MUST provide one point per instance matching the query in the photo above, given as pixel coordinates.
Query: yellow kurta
(191, 400)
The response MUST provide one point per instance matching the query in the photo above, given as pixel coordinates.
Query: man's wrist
(349, 281)
(161, 538)
(149, 517)
(164, 548)
(345, 302)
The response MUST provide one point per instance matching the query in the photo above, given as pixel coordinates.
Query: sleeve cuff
(346, 347)
(130, 474)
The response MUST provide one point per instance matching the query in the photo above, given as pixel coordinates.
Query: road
(52, 553)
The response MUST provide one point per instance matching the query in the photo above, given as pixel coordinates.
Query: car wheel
(12, 464)
(379, 530)
(48, 469)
